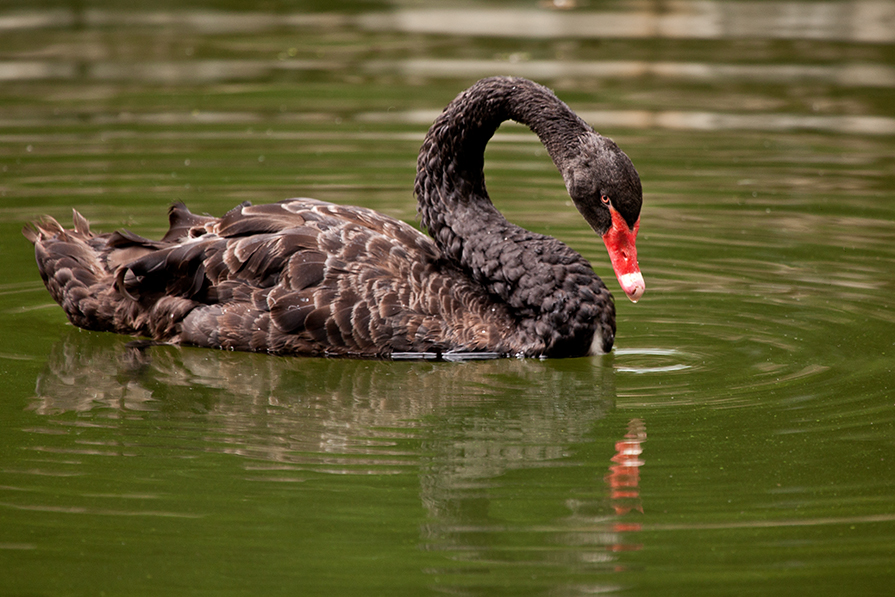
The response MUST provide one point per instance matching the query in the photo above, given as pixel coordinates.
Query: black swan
(313, 278)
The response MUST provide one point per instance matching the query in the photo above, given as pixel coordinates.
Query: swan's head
(606, 189)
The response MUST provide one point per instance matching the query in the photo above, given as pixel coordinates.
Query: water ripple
(651, 365)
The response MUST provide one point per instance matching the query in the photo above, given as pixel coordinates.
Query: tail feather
(184, 223)
(82, 226)
(121, 281)
(44, 228)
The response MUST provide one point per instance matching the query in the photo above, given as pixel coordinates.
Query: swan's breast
(598, 343)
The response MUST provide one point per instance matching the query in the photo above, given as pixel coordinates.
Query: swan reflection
(288, 410)
(477, 434)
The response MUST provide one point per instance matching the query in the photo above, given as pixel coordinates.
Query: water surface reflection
(471, 432)
(482, 418)
(864, 21)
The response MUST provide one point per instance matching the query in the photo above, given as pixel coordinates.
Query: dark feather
(290, 311)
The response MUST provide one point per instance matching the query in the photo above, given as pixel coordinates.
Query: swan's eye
(604, 199)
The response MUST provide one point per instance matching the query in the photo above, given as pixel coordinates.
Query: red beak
(623, 254)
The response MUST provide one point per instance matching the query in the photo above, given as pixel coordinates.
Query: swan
(306, 277)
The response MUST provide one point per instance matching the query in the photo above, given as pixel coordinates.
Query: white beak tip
(633, 285)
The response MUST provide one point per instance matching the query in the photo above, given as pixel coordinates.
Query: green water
(739, 439)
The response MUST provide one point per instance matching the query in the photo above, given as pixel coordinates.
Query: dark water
(738, 440)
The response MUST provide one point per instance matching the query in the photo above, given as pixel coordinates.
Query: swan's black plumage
(307, 277)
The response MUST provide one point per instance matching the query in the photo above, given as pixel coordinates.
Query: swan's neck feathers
(551, 289)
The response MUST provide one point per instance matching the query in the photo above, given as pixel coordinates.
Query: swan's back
(296, 277)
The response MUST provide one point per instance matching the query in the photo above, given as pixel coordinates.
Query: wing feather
(299, 276)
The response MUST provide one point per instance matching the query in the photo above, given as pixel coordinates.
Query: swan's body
(308, 277)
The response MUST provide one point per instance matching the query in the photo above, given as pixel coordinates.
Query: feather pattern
(307, 277)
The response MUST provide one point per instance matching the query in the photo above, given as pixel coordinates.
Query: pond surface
(740, 439)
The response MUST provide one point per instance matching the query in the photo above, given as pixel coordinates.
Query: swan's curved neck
(532, 274)
(450, 183)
